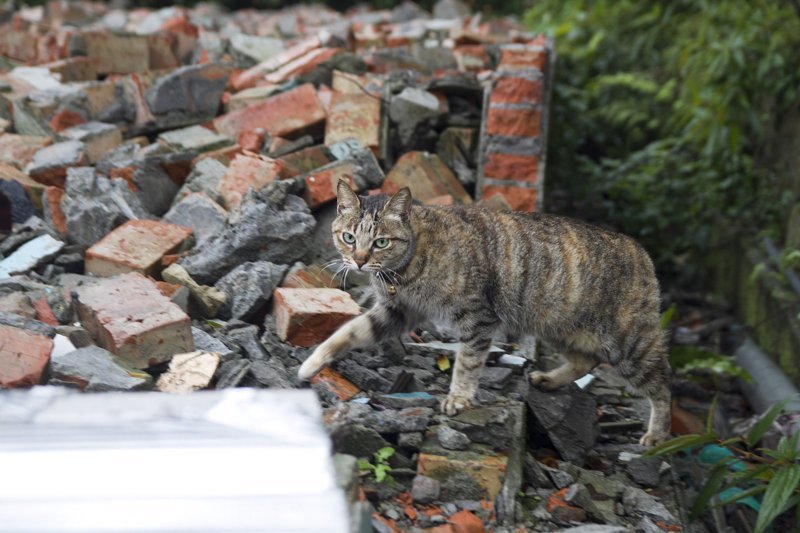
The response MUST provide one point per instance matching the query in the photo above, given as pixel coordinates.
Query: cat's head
(373, 233)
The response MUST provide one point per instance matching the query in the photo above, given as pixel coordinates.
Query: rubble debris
(136, 246)
(248, 287)
(305, 317)
(207, 300)
(188, 372)
(94, 369)
(128, 316)
(24, 356)
(29, 255)
(566, 416)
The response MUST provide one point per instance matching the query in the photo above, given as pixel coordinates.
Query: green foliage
(685, 359)
(740, 475)
(660, 111)
(380, 469)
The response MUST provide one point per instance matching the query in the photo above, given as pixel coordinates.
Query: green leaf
(669, 316)
(684, 442)
(384, 453)
(715, 479)
(778, 494)
(711, 412)
(381, 472)
(363, 464)
(761, 427)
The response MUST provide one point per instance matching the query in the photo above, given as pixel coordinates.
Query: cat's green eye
(381, 243)
(349, 238)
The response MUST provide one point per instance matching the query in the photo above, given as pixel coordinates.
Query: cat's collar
(391, 290)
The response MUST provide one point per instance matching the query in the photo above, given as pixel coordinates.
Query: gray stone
(248, 288)
(30, 254)
(425, 489)
(645, 471)
(401, 400)
(10, 319)
(362, 377)
(154, 186)
(600, 510)
(94, 205)
(451, 439)
(95, 369)
(495, 377)
(98, 137)
(250, 49)
(206, 342)
(412, 109)
(196, 138)
(197, 211)
(638, 502)
(451, 9)
(231, 373)
(389, 420)
(18, 303)
(496, 425)
(247, 339)
(535, 473)
(272, 226)
(357, 440)
(559, 478)
(193, 91)
(21, 207)
(50, 159)
(567, 416)
(205, 177)
(271, 373)
(410, 441)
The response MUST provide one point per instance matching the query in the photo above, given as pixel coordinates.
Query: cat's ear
(399, 205)
(347, 199)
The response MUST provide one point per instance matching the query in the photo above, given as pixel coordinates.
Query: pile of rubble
(171, 179)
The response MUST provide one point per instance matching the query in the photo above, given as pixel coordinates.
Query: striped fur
(590, 293)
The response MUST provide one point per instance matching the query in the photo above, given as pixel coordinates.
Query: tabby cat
(591, 293)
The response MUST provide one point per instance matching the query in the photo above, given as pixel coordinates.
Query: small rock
(451, 439)
(425, 489)
(17, 303)
(567, 416)
(410, 441)
(208, 343)
(645, 471)
(638, 502)
(231, 373)
(201, 214)
(357, 440)
(402, 400)
(271, 373)
(207, 299)
(363, 377)
(248, 287)
(95, 369)
(29, 255)
(189, 372)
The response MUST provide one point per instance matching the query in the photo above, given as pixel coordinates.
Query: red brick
(223, 155)
(73, 69)
(288, 114)
(23, 357)
(444, 199)
(247, 171)
(18, 150)
(136, 246)
(252, 140)
(308, 277)
(65, 119)
(510, 90)
(52, 203)
(116, 53)
(488, 471)
(518, 198)
(354, 116)
(471, 57)
(496, 202)
(321, 184)
(251, 76)
(127, 315)
(427, 177)
(511, 167)
(335, 383)
(44, 313)
(302, 65)
(516, 56)
(304, 161)
(513, 122)
(466, 522)
(305, 317)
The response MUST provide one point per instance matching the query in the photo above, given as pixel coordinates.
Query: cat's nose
(359, 262)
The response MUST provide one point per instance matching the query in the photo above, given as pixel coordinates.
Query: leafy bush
(740, 475)
(660, 112)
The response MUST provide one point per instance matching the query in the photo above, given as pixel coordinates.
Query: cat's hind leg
(577, 366)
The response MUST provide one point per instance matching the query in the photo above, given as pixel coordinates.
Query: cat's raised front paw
(652, 439)
(313, 364)
(454, 403)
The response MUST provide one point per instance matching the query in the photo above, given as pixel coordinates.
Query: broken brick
(23, 357)
(251, 76)
(51, 205)
(335, 383)
(128, 316)
(518, 198)
(49, 165)
(114, 53)
(520, 56)
(288, 114)
(466, 522)
(19, 149)
(247, 171)
(33, 189)
(320, 186)
(308, 277)
(304, 161)
(427, 177)
(302, 65)
(44, 313)
(305, 317)
(354, 116)
(136, 246)
(488, 471)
